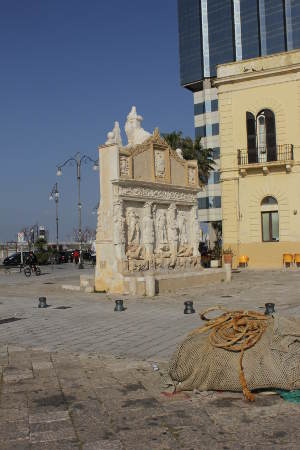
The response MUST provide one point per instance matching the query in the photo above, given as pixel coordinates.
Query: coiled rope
(235, 331)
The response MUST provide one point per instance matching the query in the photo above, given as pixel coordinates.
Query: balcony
(266, 158)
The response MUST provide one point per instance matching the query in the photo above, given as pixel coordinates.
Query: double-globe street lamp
(54, 195)
(77, 160)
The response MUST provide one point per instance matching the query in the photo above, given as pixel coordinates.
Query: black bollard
(270, 309)
(119, 306)
(42, 302)
(188, 308)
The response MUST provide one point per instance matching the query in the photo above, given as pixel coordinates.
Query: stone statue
(161, 228)
(133, 128)
(124, 165)
(114, 136)
(119, 230)
(195, 231)
(134, 231)
(172, 228)
(148, 229)
(179, 152)
(183, 232)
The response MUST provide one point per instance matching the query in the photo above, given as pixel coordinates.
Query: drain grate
(9, 319)
(63, 307)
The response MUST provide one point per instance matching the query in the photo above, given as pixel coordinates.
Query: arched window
(261, 136)
(269, 219)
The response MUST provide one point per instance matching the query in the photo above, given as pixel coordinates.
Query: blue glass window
(200, 131)
(216, 177)
(220, 33)
(215, 129)
(295, 17)
(199, 108)
(203, 203)
(214, 105)
(275, 26)
(250, 29)
(216, 153)
(190, 41)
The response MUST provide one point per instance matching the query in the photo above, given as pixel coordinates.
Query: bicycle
(28, 270)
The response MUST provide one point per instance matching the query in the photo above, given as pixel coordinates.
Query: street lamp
(77, 160)
(54, 195)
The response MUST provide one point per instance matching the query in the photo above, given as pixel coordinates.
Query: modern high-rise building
(213, 32)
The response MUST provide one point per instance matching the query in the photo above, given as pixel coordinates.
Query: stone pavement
(149, 329)
(82, 377)
(64, 401)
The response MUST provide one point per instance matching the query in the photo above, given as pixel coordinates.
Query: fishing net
(239, 351)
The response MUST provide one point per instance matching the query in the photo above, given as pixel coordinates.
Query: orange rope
(235, 331)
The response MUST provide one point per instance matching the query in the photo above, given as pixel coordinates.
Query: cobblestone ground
(82, 377)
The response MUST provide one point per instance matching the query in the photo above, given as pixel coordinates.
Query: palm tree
(193, 150)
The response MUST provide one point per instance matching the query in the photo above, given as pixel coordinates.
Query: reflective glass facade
(213, 32)
(220, 33)
(250, 29)
(190, 41)
(275, 26)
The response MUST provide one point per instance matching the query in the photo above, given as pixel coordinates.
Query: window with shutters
(269, 219)
(261, 137)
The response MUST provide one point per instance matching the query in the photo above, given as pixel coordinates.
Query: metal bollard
(119, 306)
(42, 302)
(188, 308)
(270, 309)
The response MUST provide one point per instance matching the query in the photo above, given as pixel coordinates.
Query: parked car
(15, 259)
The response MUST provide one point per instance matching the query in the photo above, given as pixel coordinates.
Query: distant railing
(261, 155)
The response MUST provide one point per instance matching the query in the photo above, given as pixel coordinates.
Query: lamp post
(77, 160)
(54, 195)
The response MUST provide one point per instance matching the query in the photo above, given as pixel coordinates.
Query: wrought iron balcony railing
(263, 155)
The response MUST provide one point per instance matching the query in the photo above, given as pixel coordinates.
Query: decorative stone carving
(191, 175)
(161, 229)
(183, 231)
(195, 231)
(148, 230)
(133, 128)
(147, 218)
(114, 136)
(135, 251)
(124, 166)
(134, 230)
(172, 228)
(155, 194)
(159, 163)
(179, 153)
(119, 230)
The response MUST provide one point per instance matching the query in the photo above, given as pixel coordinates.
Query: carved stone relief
(149, 193)
(124, 166)
(159, 163)
(191, 175)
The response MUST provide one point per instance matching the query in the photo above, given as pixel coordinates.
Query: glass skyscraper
(213, 32)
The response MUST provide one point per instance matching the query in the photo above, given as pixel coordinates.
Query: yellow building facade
(259, 114)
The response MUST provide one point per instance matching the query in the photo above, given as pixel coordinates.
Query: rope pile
(235, 331)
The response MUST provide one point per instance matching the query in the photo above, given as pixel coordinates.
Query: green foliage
(192, 150)
(40, 244)
(42, 257)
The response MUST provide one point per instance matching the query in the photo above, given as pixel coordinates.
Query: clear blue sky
(69, 69)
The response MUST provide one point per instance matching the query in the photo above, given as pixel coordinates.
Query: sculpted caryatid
(134, 231)
(183, 232)
(119, 230)
(161, 227)
(195, 229)
(148, 229)
(133, 128)
(172, 228)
